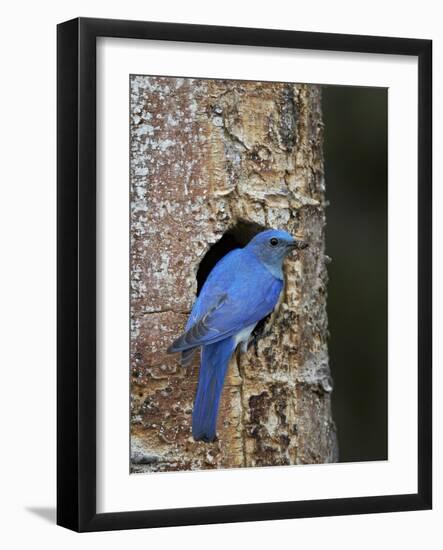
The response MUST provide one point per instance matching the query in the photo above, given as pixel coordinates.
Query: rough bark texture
(207, 156)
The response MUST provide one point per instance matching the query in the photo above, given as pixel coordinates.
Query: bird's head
(272, 246)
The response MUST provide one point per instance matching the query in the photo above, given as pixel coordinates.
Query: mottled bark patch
(206, 157)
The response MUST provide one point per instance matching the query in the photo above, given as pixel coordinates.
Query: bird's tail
(213, 367)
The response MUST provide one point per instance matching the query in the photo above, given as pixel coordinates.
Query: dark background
(355, 151)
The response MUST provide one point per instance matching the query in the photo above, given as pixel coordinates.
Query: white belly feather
(242, 337)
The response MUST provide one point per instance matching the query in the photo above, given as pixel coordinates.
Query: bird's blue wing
(219, 278)
(238, 292)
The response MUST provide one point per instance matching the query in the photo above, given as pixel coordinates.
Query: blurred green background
(356, 239)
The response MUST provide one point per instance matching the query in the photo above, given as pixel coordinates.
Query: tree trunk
(210, 158)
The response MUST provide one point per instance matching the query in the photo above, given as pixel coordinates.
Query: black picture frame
(76, 265)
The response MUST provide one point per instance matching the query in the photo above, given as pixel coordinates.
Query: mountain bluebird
(242, 288)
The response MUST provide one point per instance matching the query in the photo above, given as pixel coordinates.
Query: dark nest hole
(236, 236)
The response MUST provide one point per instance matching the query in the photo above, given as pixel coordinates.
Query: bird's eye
(273, 241)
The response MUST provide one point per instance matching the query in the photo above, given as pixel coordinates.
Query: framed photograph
(244, 274)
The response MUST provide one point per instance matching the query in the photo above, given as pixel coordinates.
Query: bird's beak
(297, 244)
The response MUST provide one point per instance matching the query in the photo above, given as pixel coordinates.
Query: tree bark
(209, 156)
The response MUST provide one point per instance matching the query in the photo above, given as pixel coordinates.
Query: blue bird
(242, 288)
